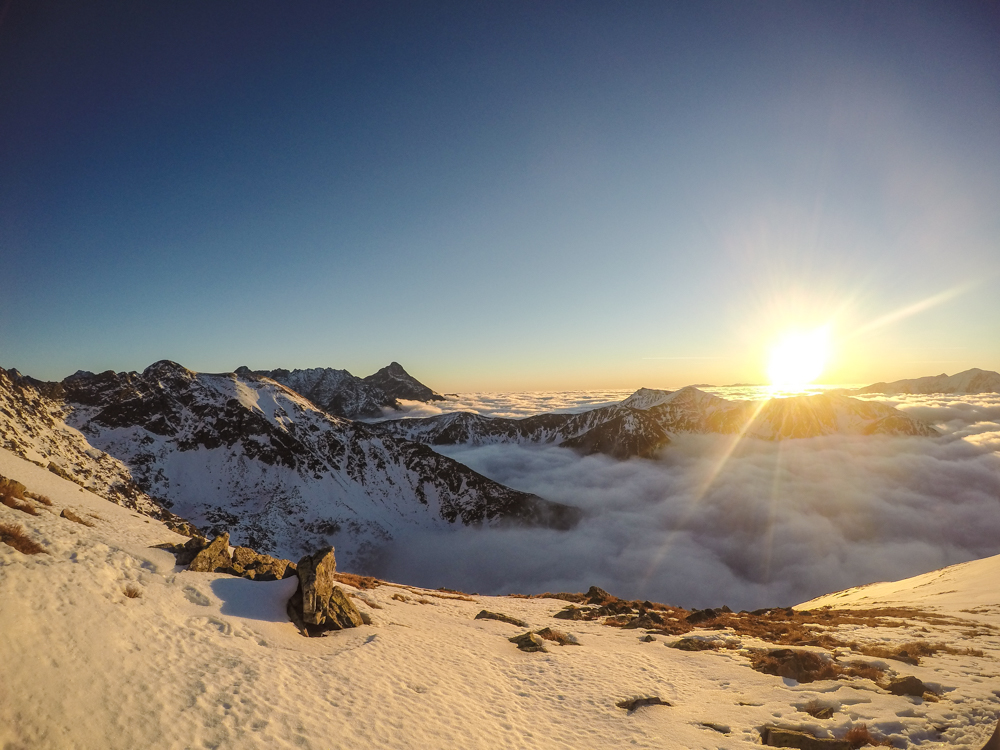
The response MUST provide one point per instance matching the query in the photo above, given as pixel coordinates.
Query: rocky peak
(399, 384)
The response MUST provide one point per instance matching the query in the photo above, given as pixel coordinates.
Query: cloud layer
(711, 521)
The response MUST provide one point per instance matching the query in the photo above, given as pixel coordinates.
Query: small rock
(487, 615)
(647, 638)
(71, 516)
(633, 704)
(692, 644)
(214, 558)
(597, 595)
(575, 613)
(778, 737)
(908, 686)
(557, 636)
(319, 606)
(529, 642)
(259, 567)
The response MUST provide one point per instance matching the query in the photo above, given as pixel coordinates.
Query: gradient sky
(500, 195)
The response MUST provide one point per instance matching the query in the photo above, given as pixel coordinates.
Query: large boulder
(214, 558)
(318, 604)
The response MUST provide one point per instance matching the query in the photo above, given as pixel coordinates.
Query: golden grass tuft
(43, 499)
(13, 535)
(817, 710)
(362, 583)
(859, 736)
(132, 591)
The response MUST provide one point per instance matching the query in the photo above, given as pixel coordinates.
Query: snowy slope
(969, 381)
(643, 423)
(252, 457)
(336, 392)
(205, 660)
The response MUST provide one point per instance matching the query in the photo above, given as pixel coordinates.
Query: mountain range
(642, 424)
(970, 381)
(243, 453)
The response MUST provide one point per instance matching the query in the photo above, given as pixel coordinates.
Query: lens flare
(799, 359)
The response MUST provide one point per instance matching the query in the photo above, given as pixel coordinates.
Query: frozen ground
(209, 661)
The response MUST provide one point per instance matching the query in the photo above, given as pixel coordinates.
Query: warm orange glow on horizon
(799, 359)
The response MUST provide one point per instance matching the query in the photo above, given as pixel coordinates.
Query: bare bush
(13, 535)
(132, 591)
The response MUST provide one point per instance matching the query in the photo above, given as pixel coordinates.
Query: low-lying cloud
(749, 524)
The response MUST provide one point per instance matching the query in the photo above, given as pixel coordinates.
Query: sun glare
(799, 359)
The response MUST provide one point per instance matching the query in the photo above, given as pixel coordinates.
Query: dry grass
(13, 535)
(817, 710)
(359, 582)
(12, 494)
(809, 666)
(859, 736)
(43, 499)
(132, 591)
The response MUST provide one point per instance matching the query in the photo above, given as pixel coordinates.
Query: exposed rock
(799, 665)
(994, 742)
(71, 516)
(909, 685)
(529, 642)
(778, 737)
(257, 567)
(214, 558)
(633, 704)
(692, 644)
(576, 613)
(558, 636)
(647, 638)
(398, 383)
(12, 487)
(318, 605)
(487, 615)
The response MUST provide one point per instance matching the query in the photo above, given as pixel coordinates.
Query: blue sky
(500, 195)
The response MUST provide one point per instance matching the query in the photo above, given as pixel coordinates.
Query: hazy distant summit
(970, 381)
(342, 394)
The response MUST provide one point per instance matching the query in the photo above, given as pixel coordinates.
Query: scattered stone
(214, 558)
(558, 636)
(487, 615)
(400, 597)
(597, 595)
(71, 516)
(908, 686)
(12, 487)
(647, 638)
(692, 644)
(778, 737)
(576, 613)
(634, 704)
(319, 606)
(184, 528)
(529, 642)
(702, 615)
(799, 665)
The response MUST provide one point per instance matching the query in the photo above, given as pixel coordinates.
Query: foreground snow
(203, 660)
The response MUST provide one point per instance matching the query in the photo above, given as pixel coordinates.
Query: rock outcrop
(214, 558)
(318, 604)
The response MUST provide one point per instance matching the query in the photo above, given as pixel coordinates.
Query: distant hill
(970, 381)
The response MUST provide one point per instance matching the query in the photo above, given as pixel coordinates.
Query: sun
(799, 358)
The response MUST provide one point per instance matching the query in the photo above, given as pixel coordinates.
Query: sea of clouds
(717, 521)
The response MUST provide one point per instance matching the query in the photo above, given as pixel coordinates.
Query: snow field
(210, 661)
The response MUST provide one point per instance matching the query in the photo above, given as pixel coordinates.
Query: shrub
(43, 499)
(859, 736)
(13, 535)
(17, 503)
(132, 591)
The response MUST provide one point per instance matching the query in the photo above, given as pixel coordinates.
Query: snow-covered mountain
(342, 394)
(643, 423)
(246, 454)
(969, 381)
(32, 427)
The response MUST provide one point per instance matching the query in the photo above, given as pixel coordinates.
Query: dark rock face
(214, 558)
(248, 456)
(257, 567)
(487, 615)
(398, 383)
(319, 605)
(642, 424)
(634, 704)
